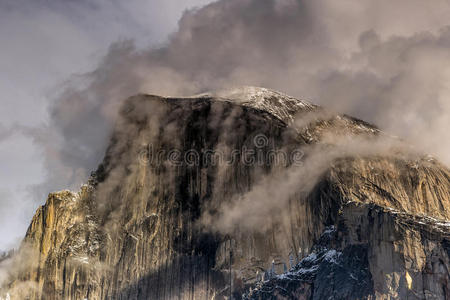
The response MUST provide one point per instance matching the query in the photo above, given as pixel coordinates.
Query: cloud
(5, 132)
(295, 183)
(18, 263)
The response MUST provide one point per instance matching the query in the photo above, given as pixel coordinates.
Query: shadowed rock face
(186, 183)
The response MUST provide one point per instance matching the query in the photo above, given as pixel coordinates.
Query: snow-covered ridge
(276, 103)
(437, 225)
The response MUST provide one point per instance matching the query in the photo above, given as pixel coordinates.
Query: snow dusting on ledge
(276, 103)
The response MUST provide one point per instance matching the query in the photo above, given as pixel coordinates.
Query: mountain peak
(278, 104)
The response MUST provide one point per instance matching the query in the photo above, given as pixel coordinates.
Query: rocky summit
(242, 194)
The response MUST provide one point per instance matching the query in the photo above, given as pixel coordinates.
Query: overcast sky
(65, 67)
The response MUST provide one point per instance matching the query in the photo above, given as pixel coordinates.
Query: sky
(67, 65)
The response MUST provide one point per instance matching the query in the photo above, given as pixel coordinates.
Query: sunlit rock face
(249, 188)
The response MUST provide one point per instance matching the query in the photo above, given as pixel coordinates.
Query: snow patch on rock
(276, 103)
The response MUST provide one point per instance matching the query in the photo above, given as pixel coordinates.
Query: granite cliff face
(250, 188)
